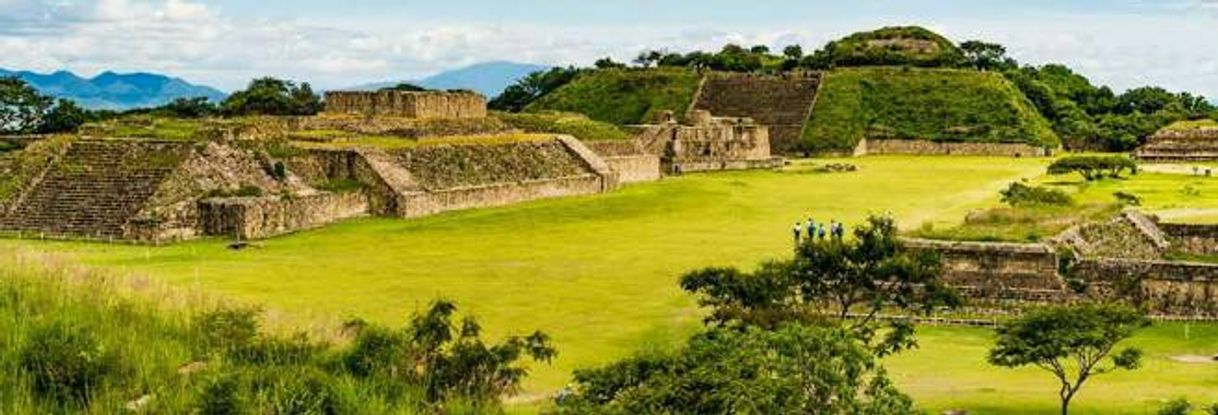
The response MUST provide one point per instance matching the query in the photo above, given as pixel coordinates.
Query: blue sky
(1123, 43)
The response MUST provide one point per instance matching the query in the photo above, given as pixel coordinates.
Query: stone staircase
(781, 102)
(95, 188)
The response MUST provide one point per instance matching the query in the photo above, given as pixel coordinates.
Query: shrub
(1178, 406)
(1094, 167)
(1127, 199)
(1019, 194)
(227, 329)
(66, 363)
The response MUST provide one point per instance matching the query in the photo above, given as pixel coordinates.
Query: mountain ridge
(111, 90)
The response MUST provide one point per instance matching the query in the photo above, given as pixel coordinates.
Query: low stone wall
(264, 217)
(424, 203)
(635, 169)
(995, 268)
(1192, 239)
(1162, 287)
(407, 104)
(927, 147)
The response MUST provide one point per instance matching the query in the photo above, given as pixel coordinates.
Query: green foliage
(270, 96)
(623, 97)
(1025, 223)
(1072, 342)
(22, 108)
(1178, 406)
(1094, 167)
(66, 363)
(940, 105)
(889, 46)
(518, 96)
(1127, 199)
(406, 87)
(1019, 194)
(198, 107)
(730, 58)
(986, 56)
(576, 125)
(832, 278)
(793, 369)
(64, 117)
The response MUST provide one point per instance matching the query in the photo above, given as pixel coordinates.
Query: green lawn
(599, 272)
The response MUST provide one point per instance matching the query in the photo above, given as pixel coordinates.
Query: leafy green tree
(837, 279)
(1074, 343)
(532, 87)
(608, 63)
(792, 369)
(197, 107)
(986, 56)
(793, 52)
(22, 108)
(1094, 167)
(270, 96)
(405, 86)
(64, 117)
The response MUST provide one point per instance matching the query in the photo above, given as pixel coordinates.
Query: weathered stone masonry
(407, 104)
(927, 147)
(1191, 145)
(783, 103)
(264, 217)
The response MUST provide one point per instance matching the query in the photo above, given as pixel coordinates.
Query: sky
(336, 43)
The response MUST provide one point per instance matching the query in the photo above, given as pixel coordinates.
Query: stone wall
(628, 159)
(264, 217)
(1162, 287)
(927, 147)
(497, 194)
(407, 104)
(1192, 239)
(781, 102)
(995, 269)
(1187, 145)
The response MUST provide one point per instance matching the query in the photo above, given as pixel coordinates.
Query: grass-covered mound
(624, 96)
(576, 125)
(1193, 125)
(905, 45)
(927, 104)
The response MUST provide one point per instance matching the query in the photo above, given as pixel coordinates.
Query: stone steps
(95, 188)
(782, 103)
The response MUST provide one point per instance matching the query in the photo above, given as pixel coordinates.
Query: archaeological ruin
(783, 103)
(408, 104)
(1180, 146)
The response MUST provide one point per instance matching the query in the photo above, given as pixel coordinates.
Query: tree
(793, 52)
(532, 87)
(984, 56)
(1072, 342)
(405, 86)
(65, 117)
(1094, 167)
(22, 108)
(608, 63)
(270, 96)
(197, 107)
(793, 369)
(836, 279)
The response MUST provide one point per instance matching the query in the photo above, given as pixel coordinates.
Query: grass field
(599, 272)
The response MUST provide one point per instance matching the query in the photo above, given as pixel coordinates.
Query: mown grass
(624, 96)
(925, 104)
(148, 126)
(600, 273)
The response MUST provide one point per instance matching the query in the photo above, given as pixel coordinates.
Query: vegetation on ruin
(87, 343)
(576, 125)
(148, 126)
(890, 46)
(20, 167)
(624, 96)
(1019, 194)
(1192, 125)
(1022, 223)
(270, 96)
(954, 105)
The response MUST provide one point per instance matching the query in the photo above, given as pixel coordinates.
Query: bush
(1127, 199)
(1019, 194)
(66, 363)
(1094, 167)
(1178, 406)
(286, 390)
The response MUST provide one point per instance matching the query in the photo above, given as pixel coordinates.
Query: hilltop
(114, 91)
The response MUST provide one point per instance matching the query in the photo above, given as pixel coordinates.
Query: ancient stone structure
(781, 102)
(927, 147)
(628, 159)
(263, 217)
(995, 269)
(710, 144)
(1184, 145)
(408, 104)
(1192, 239)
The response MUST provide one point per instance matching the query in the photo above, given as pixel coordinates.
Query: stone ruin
(1127, 258)
(1184, 145)
(406, 104)
(783, 103)
(709, 144)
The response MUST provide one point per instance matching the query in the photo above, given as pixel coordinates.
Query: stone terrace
(1191, 145)
(96, 187)
(781, 102)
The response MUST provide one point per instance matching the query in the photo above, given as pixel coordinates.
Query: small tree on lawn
(1074, 343)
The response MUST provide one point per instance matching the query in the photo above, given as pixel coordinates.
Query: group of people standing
(817, 231)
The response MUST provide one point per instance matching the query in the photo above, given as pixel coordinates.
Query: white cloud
(203, 44)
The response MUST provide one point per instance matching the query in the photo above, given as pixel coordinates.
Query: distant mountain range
(489, 78)
(115, 91)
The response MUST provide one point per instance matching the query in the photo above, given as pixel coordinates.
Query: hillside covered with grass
(929, 104)
(624, 96)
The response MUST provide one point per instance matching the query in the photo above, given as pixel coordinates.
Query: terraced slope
(95, 188)
(624, 96)
(782, 103)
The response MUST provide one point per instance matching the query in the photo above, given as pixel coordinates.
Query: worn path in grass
(598, 273)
